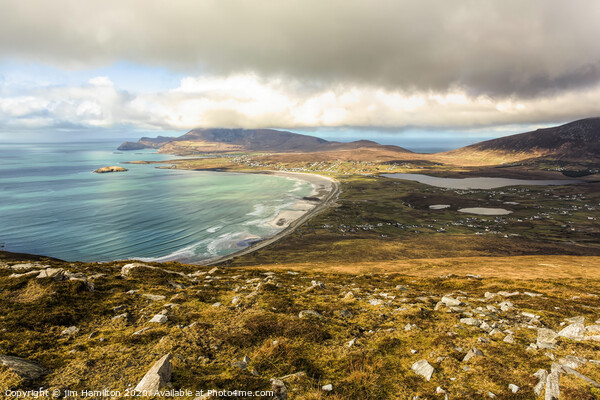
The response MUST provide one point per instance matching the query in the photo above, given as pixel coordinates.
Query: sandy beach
(325, 192)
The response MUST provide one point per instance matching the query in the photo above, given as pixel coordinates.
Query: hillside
(247, 140)
(576, 141)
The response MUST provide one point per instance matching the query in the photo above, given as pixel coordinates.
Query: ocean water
(52, 204)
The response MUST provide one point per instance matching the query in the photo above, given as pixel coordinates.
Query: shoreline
(326, 190)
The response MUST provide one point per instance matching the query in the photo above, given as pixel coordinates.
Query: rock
(159, 319)
(318, 285)
(349, 296)
(26, 369)
(123, 317)
(489, 295)
(573, 331)
(130, 269)
(513, 388)
(309, 313)
(213, 271)
(571, 371)
(530, 294)
(153, 297)
(542, 375)
(576, 320)
(345, 313)
(25, 274)
(70, 331)
(351, 342)
(112, 168)
(279, 389)
(141, 331)
(546, 338)
(472, 353)
(506, 305)
(592, 330)
(450, 301)
(508, 294)
(21, 267)
(240, 364)
(375, 302)
(509, 339)
(553, 383)
(492, 395)
(423, 368)
(327, 388)
(157, 377)
(572, 361)
(217, 304)
(470, 321)
(235, 300)
(58, 274)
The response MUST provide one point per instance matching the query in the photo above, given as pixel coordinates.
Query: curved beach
(324, 195)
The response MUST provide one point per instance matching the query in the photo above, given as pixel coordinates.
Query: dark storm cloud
(498, 48)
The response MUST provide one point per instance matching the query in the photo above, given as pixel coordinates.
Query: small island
(104, 170)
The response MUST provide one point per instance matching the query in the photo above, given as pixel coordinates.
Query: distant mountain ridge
(575, 141)
(259, 140)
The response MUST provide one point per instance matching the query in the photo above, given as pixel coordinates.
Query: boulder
(450, 301)
(573, 331)
(159, 319)
(470, 321)
(472, 353)
(57, 274)
(423, 368)
(70, 331)
(546, 338)
(542, 376)
(553, 383)
(26, 369)
(158, 376)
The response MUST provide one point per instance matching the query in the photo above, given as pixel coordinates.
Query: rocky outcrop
(112, 168)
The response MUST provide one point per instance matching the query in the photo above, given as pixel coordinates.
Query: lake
(477, 183)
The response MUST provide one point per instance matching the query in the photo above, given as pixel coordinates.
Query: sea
(52, 204)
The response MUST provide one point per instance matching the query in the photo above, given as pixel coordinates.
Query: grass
(266, 328)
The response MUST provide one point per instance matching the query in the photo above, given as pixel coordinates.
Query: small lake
(484, 211)
(479, 182)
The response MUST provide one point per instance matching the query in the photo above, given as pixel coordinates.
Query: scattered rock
(309, 313)
(450, 301)
(70, 331)
(542, 376)
(158, 376)
(553, 383)
(470, 321)
(513, 388)
(153, 297)
(574, 331)
(472, 353)
(159, 319)
(546, 338)
(509, 339)
(327, 388)
(423, 368)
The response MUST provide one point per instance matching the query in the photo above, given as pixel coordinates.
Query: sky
(339, 67)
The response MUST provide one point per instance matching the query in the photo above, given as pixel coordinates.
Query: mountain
(221, 140)
(574, 141)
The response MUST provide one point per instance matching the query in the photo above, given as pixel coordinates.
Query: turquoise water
(52, 204)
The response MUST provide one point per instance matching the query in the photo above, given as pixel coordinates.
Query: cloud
(483, 47)
(249, 101)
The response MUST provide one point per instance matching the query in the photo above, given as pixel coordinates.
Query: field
(346, 305)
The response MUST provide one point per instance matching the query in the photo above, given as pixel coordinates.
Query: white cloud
(247, 101)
